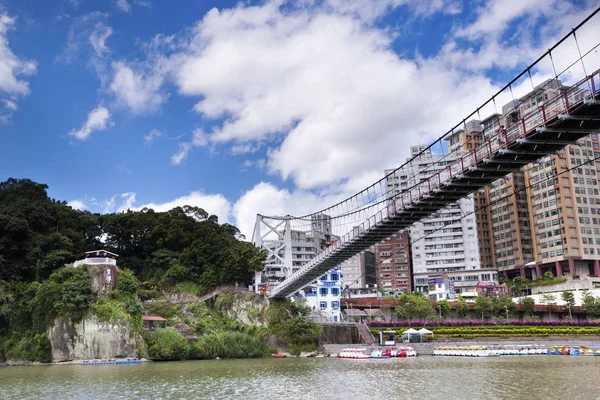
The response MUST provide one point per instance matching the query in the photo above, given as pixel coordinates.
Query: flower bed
(430, 324)
(505, 331)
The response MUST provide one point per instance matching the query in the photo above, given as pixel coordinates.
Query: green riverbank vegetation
(183, 250)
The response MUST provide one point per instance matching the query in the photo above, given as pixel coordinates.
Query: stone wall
(338, 333)
(91, 339)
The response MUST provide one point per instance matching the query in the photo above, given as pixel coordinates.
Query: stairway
(365, 335)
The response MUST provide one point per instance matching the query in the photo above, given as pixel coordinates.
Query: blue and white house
(323, 296)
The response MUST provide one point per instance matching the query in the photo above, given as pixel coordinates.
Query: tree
(462, 308)
(483, 305)
(443, 307)
(569, 298)
(527, 305)
(549, 300)
(518, 283)
(503, 305)
(590, 303)
(415, 305)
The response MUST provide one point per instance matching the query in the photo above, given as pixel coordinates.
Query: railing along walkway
(553, 124)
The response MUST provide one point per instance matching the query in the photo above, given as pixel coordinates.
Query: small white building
(323, 297)
(102, 266)
(440, 288)
(96, 257)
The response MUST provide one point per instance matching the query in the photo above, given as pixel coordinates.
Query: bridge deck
(560, 121)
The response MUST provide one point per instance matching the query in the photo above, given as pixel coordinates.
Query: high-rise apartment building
(459, 143)
(546, 217)
(393, 260)
(446, 242)
(359, 271)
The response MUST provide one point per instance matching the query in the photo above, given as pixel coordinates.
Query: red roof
(152, 318)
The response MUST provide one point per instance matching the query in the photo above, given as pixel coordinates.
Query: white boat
(354, 353)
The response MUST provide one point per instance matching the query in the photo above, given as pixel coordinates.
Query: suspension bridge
(557, 111)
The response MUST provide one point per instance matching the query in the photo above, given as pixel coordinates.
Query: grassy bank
(170, 344)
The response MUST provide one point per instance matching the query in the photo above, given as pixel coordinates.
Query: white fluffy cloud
(199, 139)
(123, 5)
(12, 68)
(139, 93)
(77, 205)
(214, 204)
(182, 153)
(152, 136)
(98, 38)
(87, 35)
(325, 83)
(318, 83)
(97, 120)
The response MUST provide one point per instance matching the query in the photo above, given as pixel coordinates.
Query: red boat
(278, 355)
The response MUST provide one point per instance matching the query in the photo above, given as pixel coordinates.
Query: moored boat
(354, 353)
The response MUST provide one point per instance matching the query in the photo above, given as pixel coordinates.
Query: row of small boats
(515, 350)
(368, 353)
(112, 362)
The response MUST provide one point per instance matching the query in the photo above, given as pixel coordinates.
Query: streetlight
(506, 308)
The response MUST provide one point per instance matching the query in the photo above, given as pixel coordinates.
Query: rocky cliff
(91, 339)
(247, 308)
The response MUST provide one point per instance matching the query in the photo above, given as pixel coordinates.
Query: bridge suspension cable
(536, 126)
(377, 193)
(486, 206)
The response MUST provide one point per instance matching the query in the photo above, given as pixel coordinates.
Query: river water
(517, 377)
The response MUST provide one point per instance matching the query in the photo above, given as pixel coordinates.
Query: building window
(335, 277)
(323, 291)
(323, 305)
(335, 291)
(335, 304)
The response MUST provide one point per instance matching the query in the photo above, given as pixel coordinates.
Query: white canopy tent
(425, 333)
(407, 334)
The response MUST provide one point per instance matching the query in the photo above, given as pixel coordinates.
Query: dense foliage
(228, 345)
(184, 247)
(288, 319)
(166, 344)
(37, 233)
(181, 250)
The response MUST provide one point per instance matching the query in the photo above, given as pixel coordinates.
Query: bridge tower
(274, 234)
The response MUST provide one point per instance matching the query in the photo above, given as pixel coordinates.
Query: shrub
(224, 301)
(188, 287)
(75, 292)
(110, 311)
(164, 309)
(29, 346)
(166, 344)
(127, 283)
(302, 335)
(228, 345)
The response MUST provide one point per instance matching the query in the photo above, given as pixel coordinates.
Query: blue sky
(269, 107)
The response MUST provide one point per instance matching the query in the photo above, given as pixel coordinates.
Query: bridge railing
(500, 140)
(537, 117)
